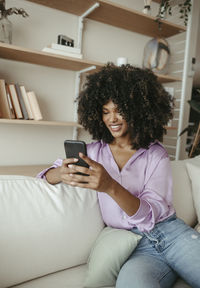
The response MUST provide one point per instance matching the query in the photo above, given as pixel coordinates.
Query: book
(37, 115)
(21, 101)
(62, 53)
(15, 101)
(26, 102)
(10, 103)
(64, 48)
(4, 104)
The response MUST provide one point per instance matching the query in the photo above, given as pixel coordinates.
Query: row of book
(17, 103)
(63, 50)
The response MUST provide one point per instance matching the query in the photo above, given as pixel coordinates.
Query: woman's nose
(113, 117)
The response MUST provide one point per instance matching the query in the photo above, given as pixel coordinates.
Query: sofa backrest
(182, 190)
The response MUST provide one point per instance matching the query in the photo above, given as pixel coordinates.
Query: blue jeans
(171, 249)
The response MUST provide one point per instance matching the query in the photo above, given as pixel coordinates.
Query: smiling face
(114, 121)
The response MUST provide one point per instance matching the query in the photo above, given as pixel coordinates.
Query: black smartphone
(72, 149)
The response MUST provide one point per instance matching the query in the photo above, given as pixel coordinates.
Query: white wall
(21, 144)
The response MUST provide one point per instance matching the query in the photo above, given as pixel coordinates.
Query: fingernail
(70, 166)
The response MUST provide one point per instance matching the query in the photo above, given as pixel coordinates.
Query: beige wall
(21, 144)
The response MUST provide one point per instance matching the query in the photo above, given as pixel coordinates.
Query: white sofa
(46, 231)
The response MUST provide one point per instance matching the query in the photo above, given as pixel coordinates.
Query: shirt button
(124, 217)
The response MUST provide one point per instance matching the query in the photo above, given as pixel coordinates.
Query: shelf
(11, 52)
(167, 78)
(116, 15)
(50, 123)
(41, 123)
(171, 128)
(16, 53)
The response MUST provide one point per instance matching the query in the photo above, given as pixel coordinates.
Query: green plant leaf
(184, 130)
(195, 105)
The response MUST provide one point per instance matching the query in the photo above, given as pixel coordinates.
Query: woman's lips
(115, 127)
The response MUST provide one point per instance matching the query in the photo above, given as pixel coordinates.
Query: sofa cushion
(194, 173)
(111, 249)
(182, 190)
(197, 227)
(40, 229)
(181, 284)
(69, 278)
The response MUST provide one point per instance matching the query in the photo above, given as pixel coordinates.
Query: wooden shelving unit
(108, 13)
(116, 15)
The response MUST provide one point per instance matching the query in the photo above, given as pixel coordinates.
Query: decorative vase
(5, 30)
(156, 55)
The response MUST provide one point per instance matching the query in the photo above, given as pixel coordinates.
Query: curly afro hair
(140, 99)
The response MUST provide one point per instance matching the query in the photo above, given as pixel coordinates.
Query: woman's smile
(115, 127)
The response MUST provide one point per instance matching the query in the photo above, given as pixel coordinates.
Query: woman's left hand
(98, 179)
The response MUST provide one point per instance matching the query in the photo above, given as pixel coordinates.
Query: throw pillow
(197, 227)
(111, 249)
(194, 173)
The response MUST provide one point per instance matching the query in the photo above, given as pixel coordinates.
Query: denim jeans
(171, 249)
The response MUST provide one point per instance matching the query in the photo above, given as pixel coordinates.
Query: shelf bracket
(80, 24)
(77, 88)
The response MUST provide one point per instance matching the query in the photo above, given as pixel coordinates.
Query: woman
(126, 109)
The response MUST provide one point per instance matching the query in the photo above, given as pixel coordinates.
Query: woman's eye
(105, 112)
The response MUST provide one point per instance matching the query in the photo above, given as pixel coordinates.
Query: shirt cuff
(56, 164)
(143, 218)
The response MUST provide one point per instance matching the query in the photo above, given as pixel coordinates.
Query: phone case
(72, 149)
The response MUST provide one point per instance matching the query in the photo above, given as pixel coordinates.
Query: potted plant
(194, 130)
(5, 24)
(166, 8)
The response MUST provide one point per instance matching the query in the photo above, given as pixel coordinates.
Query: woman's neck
(121, 143)
(122, 151)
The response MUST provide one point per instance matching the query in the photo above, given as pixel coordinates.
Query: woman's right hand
(60, 174)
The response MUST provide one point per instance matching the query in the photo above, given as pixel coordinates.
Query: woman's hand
(57, 175)
(98, 178)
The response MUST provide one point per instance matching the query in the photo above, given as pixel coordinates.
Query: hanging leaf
(195, 105)
(184, 130)
(7, 12)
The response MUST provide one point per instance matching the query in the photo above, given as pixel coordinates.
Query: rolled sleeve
(142, 219)
(155, 199)
(56, 164)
